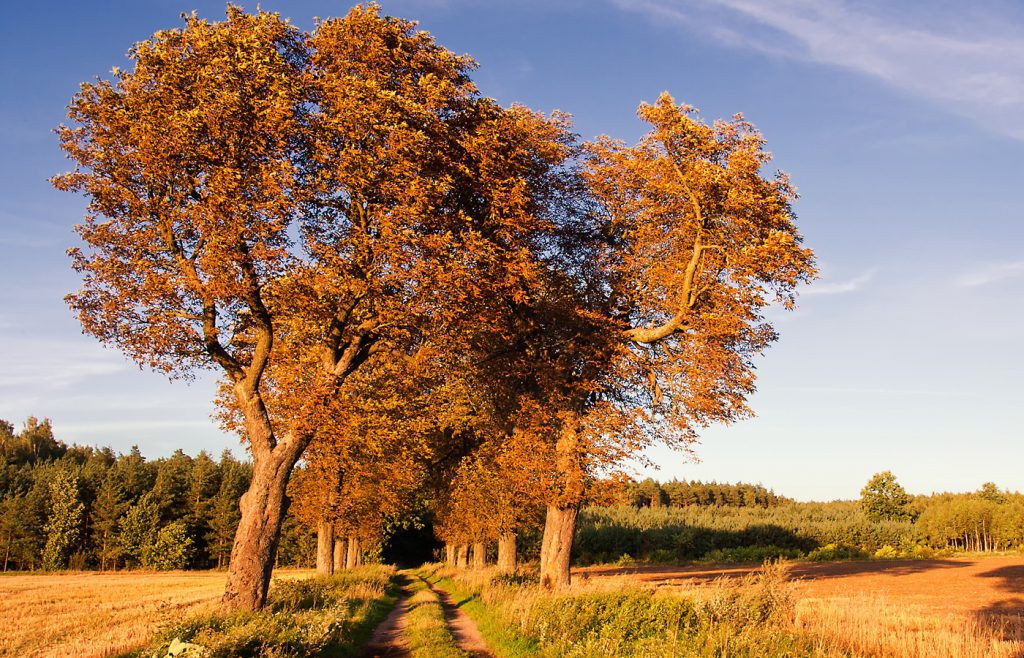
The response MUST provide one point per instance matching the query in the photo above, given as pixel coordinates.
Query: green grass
(504, 640)
(427, 631)
(323, 616)
(753, 619)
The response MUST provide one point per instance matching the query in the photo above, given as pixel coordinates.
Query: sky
(902, 125)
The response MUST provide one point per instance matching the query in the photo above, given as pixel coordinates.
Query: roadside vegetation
(763, 614)
(320, 616)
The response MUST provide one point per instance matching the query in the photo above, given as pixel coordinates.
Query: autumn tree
(258, 196)
(696, 244)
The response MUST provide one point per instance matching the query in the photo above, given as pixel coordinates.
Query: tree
(171, 548)
(884, 499)
(259, 198)
(110, 505)
(695, 244)
(64, 527)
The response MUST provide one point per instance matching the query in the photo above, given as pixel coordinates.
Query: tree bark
(507, 552)
(479, 555)
(449, 555)
(339, 553)
(462, 555)
(354, 558)
(325, 548)
(556, 550)
(263, 508)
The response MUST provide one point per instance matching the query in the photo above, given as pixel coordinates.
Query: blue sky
(902, 125)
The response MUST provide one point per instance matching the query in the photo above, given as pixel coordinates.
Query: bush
(753, 554)
(832, 552)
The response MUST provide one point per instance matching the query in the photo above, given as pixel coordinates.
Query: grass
(504, 640)
(327, 615)
(621, 617)
(93, 615)
(765, 614)
(426, 631)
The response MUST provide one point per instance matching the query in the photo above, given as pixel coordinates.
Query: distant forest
(81, 507)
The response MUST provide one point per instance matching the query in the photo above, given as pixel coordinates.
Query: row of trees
(413, 285)
(83, 507)
(675, 493)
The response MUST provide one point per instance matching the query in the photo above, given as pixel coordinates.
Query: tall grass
(329, 615)
(753, 618)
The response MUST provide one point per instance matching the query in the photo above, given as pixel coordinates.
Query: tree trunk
(354, 558)
(507, 552)
(479, 555)
(263, 508)
(449, 555)
(462, 555)
(325, 548)
(556, 550)
(339, 553)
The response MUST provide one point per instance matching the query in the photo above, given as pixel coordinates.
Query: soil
(388, 640)
(974, 586)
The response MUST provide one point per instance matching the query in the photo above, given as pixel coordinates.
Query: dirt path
(467, 635)
(388, 640)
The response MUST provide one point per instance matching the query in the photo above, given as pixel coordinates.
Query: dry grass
(874, 625)
(94, 615)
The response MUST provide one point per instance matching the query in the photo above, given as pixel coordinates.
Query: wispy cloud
(970, 60)
(991, 274)
(838, 287)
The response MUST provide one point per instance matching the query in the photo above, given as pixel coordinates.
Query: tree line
(81, 507)
(420, 293)
(886, 521)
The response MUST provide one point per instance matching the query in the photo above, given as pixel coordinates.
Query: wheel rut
(388, 639)
(463, 629)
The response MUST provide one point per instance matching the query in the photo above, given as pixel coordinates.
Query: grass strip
(426, 629)
(320, 616)
(505, 641)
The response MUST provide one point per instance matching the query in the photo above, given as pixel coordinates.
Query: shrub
(831, 552)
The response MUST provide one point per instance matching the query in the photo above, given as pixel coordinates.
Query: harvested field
(954, 608)
(99, 614)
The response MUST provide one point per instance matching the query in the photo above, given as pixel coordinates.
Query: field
(953, 607)
(956, 608)
(94, 614)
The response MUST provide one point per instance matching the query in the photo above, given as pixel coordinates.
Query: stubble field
(90, 615)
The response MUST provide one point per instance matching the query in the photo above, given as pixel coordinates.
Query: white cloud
(971, 61)
(991, 274)
(838, 287)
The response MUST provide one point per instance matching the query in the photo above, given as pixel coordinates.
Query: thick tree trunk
(354, 558)
(556, 549)
(339, 553)
(507, 552)
(325, 548)
(449, 555)
(462, 555)
(263, 508)
(479, 555)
